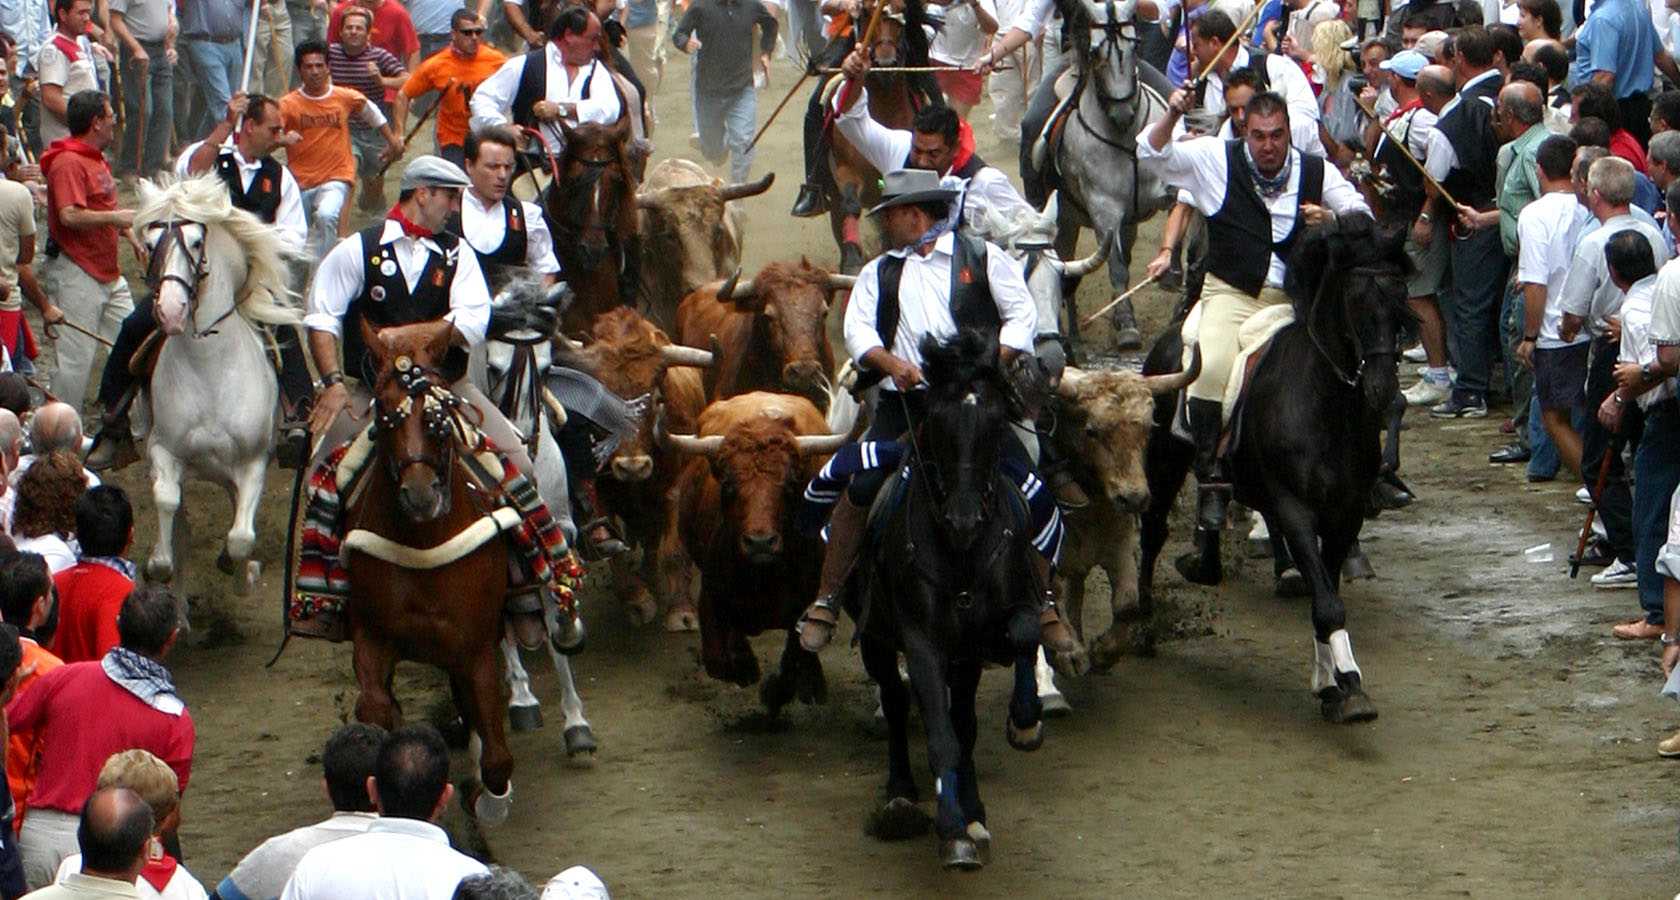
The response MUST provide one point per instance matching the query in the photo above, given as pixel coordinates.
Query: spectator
(1539, 19)
(163, 878)
(1665, 112)
(1507, 48)
(1372, 54)
(455, 71)
(11, 445)
(85, 220)
(719, 34)
(496, 884)
(28, 606)
(318, 117)
(213, 32)
(44, 520)
(576, 883)
(1663, 157)
(347, 763)
(1593, 132)
(1594, 101)
(145, 32)
(357, 64)
(274, 46)
(114, 833)
(1532, 70)
(1616, 47)
(1427, 247)
(17, 275)
(66, 68)
(433, 25)
(138, 709)
(309, 23)
(390, 29)
(402, 854)
(11, 862)
(91, 593)
(53, 427)
(569, 70)
(14, 396)
(966, 34)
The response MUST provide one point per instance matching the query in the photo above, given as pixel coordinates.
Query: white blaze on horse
(214, 273)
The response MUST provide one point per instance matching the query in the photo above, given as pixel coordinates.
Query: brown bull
(1103, 419)
(634, 359)
(690, 232)
(736, 504)
(771, 330)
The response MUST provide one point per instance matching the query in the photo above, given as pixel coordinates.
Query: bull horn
(817, 444)
(1079, 268)
(838, 282)
(1174, 382)
(692, 445)
(747, 188)
(1071, 377)
(679, 355)
(645, 198)
(734, 288)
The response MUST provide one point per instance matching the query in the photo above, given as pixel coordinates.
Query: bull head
(733, 288)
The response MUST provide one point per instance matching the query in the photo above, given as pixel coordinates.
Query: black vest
(514, 239)
(1407, 198)
(1469, 128)
(263, 199)
(971, 301)
(533, 86)
(385, 299)
(1241, 232)
(1256, 64)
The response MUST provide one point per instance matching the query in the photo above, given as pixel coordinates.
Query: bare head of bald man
(115, 829)
(56, 426)
(11, 438)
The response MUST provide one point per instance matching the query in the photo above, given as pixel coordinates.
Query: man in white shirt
(961, 40)
(1280, 75)
(66, 67)
(1546, 232)
(502, 229)
(402, 855)
(559, 81)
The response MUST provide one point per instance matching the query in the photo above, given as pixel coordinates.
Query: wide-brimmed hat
(906, 186)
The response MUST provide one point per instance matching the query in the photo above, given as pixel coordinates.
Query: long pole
(409, 138)
(778, 110)
(1598, 491)
(1247, 23)
(250, 56)
(1117, 300)
(849, 89)
(1408, 153)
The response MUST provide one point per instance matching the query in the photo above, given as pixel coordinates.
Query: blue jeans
(217, 67)
(159, 111)
(1656, 472)
(1543, 458)
(1478, 271)
(726, 128)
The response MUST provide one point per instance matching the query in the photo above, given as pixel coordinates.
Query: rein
(443, 413)
(1365, 353)
(964, 596)
(174, 237)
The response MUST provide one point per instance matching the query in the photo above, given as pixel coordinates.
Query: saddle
(1255, 340)
(1067, 87)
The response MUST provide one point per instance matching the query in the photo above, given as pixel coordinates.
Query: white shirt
(1197, 167)
(486, 226)
(72, 77)
(395, 859)
(1588, 292)
(1546, 232)
(1414, 127)
(1442, 157)
(960, 41)
(887, 149)
(53, 548)
(289, 218)
(1636, 346)
(1302, 21)
(492, 98)
(1034, 14)
(263, 873)
(924, 303)
(1286, 79)
(338, 282)
(182, 885)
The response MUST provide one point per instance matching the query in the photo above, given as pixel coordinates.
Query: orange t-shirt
(24, 748)
(434, 73)
(324, 154)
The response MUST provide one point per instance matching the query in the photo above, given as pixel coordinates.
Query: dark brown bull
(634, 359)
(691, 232)
(735, 511)
(771, 330)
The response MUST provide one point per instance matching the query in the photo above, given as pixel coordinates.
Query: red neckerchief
(965, 146)
(158, 872)
(1408, 106)
(67, 45)
(409, 228)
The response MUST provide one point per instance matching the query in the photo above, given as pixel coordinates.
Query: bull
(639, 363)
(771, 330)
(690, 232)
(736, 501)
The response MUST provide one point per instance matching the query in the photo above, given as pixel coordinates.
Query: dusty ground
(1515, 755)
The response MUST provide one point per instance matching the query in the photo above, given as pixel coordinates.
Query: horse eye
(1091, 432)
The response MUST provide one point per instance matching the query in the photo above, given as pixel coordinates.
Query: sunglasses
(474, 32)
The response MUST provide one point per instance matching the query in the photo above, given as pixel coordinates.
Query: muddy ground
(1515, 754)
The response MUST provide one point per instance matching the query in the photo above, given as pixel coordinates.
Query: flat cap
(433, 171)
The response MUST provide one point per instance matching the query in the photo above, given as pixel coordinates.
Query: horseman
(258, 184)
(1258, 195)
(933, 282)
(560, 83)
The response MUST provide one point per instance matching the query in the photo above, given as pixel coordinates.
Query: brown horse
(894, 97)
(591, 209)
(417, 495)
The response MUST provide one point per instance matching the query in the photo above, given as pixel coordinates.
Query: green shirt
(1518, 177)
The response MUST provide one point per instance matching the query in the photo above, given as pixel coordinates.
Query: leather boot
(810, 201)
(294, 448)
(1055, 634)
(596, 538)
(845, 541)
(1213, 486)
(1202, 565)
(113, 446)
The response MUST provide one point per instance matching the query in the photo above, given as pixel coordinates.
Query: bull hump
(797, 412)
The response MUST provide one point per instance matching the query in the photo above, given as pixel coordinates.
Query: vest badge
(267, 185)
(377, 292)
(388, 268)
(437, 278)
(966, 275)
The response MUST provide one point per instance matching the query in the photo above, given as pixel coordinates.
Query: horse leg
(897, 818)
(928, 682)
(1337, 680)
(579, 738)
(965, 682)
(851, 242)
(1166, 463)
(1287, 581)
(478, 696)
(524, 710)
(1024, 726)
(374, 664)
(242, 537)
(166, 496)
(1067, 244)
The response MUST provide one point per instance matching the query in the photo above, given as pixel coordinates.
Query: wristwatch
(328, 380)
(1669, 641)
(1424, 218)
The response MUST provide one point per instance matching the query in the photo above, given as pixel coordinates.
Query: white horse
(215, 270)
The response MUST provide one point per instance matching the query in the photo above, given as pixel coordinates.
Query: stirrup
(818, 623)
(607, 548)
(1054, 632)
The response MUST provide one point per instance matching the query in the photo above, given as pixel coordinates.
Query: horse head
(1107, 45)
(1348, 281)
(414, 414)
(592, 194)
(960, 444)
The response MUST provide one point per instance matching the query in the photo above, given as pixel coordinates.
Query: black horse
(948, 587)
(1308, 435)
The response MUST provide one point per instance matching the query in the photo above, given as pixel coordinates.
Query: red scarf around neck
(409, 227)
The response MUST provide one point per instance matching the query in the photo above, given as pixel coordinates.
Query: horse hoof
(682, 619)
(1291, 584)
(524, 718)
(579, 739)
(1025, 739)
(1260, 548)
(224, 562)
(159, 572)
(898, 819)
(492, 810)
(1055, 705)
(571, 638)
(640, 611)
(1073, 664)
(775, 692)
(1353, 708)
(982, 841)
(960, 853)
(1128, 339)
(1357, 568)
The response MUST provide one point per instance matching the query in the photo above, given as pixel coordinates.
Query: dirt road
(1515, 755)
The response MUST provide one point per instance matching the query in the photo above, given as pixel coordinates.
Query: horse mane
(265, 296)
(1325, 256)
(971, 356)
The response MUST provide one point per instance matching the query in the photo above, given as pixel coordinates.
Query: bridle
(441, 411)
(1114, 33)
(937, 495)
(173, 237)
(1366, 354)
